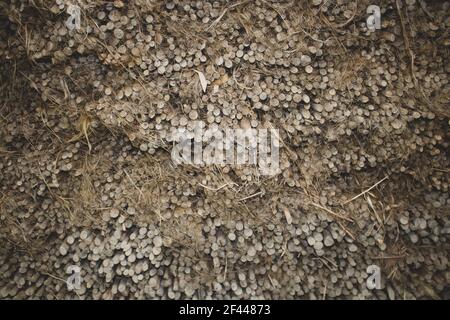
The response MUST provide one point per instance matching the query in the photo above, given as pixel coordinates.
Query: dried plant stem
(365, 191)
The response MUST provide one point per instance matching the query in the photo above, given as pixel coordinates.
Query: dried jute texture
(87, 178)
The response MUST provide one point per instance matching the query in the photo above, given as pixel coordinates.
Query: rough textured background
(86, 176)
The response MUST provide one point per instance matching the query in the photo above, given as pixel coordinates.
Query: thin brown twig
(215, 22)
(251, 196)
(365, 191)
(218, 188)
(346, 230)
(331, 212)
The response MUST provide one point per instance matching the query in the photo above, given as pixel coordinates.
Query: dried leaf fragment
(202, 79)
(287, 214)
